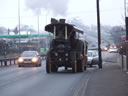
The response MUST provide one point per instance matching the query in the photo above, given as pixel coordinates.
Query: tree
(16, 30)
(116, 33)
(3, 30)
(27, 28)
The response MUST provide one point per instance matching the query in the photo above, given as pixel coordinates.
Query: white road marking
(82, 90)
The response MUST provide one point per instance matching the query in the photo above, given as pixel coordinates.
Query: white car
(29, 58)
(112, 50)
(92, 57)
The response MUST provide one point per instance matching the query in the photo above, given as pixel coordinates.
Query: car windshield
(60, 33)
(28, 54)
(95, 54)
(92, 54)
(113, 48)
(89, 54)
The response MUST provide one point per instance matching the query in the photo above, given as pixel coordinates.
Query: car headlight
(35, 59)
(89, 59)
(56, 54)
(66, 54)
(20, 60)
(105, 48)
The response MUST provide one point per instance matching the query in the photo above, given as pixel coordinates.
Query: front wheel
(91, 65)
(66, 68)
(19, 65)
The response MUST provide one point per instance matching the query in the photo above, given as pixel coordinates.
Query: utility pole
(19, 25)
(99, 35)
(126, 27)
(38, 28)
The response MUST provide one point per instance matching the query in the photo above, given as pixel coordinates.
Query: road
(30, 81)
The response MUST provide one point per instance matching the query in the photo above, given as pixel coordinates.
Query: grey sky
(112, 11)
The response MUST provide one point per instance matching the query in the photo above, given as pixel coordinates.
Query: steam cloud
(57, 7)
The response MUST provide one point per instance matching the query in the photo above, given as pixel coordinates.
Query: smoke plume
(57, 7)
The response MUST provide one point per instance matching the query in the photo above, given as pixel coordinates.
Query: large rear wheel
(74, 65)
(81, 66)
(54, 68)
(48, 65)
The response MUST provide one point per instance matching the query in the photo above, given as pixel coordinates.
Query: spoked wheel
(74, 65)
(54, 68)
(81, 66)
(48, 65)
(85, 68)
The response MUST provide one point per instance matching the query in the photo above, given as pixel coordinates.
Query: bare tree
(116, 33)
(3, 30)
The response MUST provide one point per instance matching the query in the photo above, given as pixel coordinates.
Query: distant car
(93, 46)
(105, 48)
(92, 58)
(113, 50)
(29, 58)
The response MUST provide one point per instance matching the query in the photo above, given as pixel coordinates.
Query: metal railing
(8, 61)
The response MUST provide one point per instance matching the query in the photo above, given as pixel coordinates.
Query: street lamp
(38, 28)
(126, 27)
(19, 21)
(125, 8)
(99, 35)
(126, 18)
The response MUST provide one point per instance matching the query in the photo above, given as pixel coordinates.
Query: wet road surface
(34, 81)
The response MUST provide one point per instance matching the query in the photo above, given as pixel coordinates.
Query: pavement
(109, 81)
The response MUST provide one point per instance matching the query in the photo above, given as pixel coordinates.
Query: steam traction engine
(66, 49)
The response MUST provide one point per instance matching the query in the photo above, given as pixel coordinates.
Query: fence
(122, 61)
(8, 61)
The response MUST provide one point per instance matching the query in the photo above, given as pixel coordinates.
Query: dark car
(29, 58)
(113, 50)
